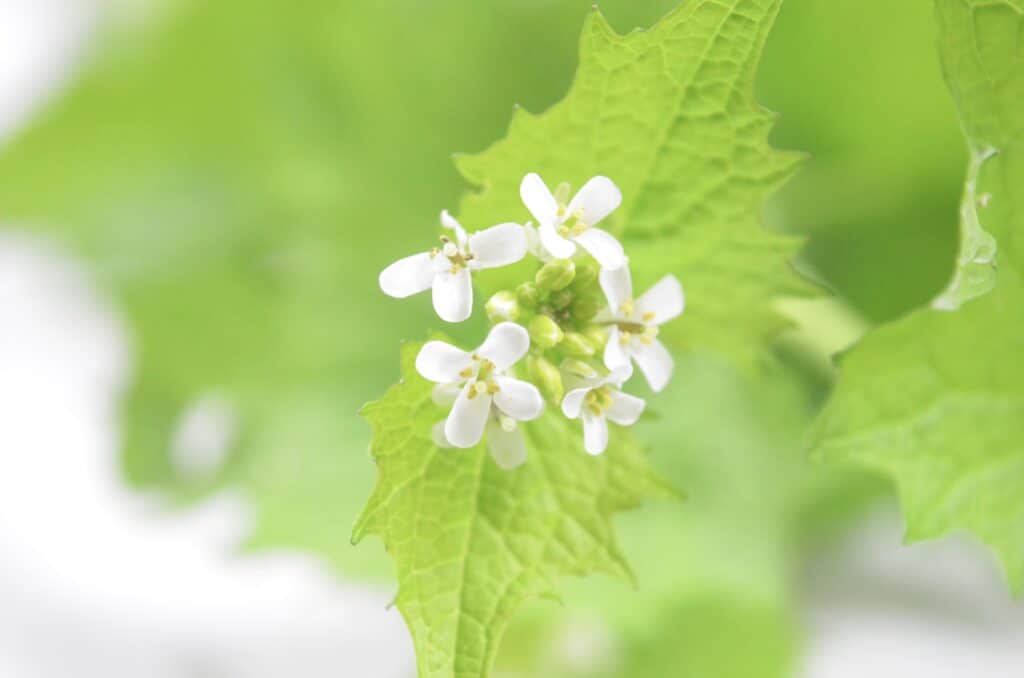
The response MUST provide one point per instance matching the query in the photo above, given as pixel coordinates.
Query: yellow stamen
(627, 308)
(649, 316)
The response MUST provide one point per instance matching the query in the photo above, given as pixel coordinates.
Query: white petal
(505, 345)
(625, 409)
(616, 356)
(437, 435)
(448, 221)
(453, 295)
(498, 245)
(538, 199)
(507, 447)
(441, 362)
(572, 403)
(617, 285)
(598, 198)
(620, 375)
(559, 247)
(595, 432)
(603, 246)
(465, 424)
(408, 276)
(655, 362)
(518, 399)
(445, 394)
(664, 299)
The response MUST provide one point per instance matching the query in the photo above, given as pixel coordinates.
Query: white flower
(564, 226)
(484, 395)
(447, 269)
(599, 399)
(634, 324)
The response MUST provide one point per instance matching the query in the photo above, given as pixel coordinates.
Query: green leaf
(471, 541)
(669, 115)
(936, 400)
(722, 564)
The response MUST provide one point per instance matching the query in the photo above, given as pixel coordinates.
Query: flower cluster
(576, 323)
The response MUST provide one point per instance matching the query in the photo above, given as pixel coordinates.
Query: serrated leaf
(669, 115)
(472, 542)
(936, 400)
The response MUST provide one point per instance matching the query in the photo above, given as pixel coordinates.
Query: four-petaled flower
(599, 399)
(447, 269)
(562, 226)
(487, 397)
(634, 324)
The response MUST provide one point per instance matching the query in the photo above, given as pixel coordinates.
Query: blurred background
(195, 200)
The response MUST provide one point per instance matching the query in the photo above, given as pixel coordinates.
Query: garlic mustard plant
(568, 334)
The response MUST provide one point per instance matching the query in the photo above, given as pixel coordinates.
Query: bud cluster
(575, 322)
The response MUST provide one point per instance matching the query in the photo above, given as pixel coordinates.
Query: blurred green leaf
(937, 399)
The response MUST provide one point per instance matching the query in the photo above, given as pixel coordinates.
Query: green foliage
(936, 400)
(471, 541)
(669, 115)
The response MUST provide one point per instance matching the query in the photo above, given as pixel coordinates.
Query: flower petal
(617, 285)
(595, 432)
(448, 221)
(603, 246)
(507, 447)
(437, 435)
(620, 375)
(465, 424)
(505, 345)
(408, 276)
(665, 299)
(572, 403)
(655, 362)
(598, 198)
(559, 247)
(518, 399)
(625, 409)
(441, 362)
(498, 245)
(616, 355)
(538, 199)
(453, 295)
(444, 395)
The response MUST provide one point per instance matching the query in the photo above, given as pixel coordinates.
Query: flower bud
(545, 332)
(546, 377)
(561, 300)
(528, 294)
(579, 368)
(575, 344)
(586, 307)
(555, 275)
(597, 335)
(502, 306)
(586, 278)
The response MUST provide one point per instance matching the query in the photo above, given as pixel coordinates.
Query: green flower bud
(546, 377)
(575, 344)
(555, 275)
(561, 300)
(597, 335)
(579, 368)
(528, 294)
(502, 306)
(586, 278)
(545, 332)
(586, 307)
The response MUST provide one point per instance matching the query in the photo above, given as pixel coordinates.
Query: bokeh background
(195, 200)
